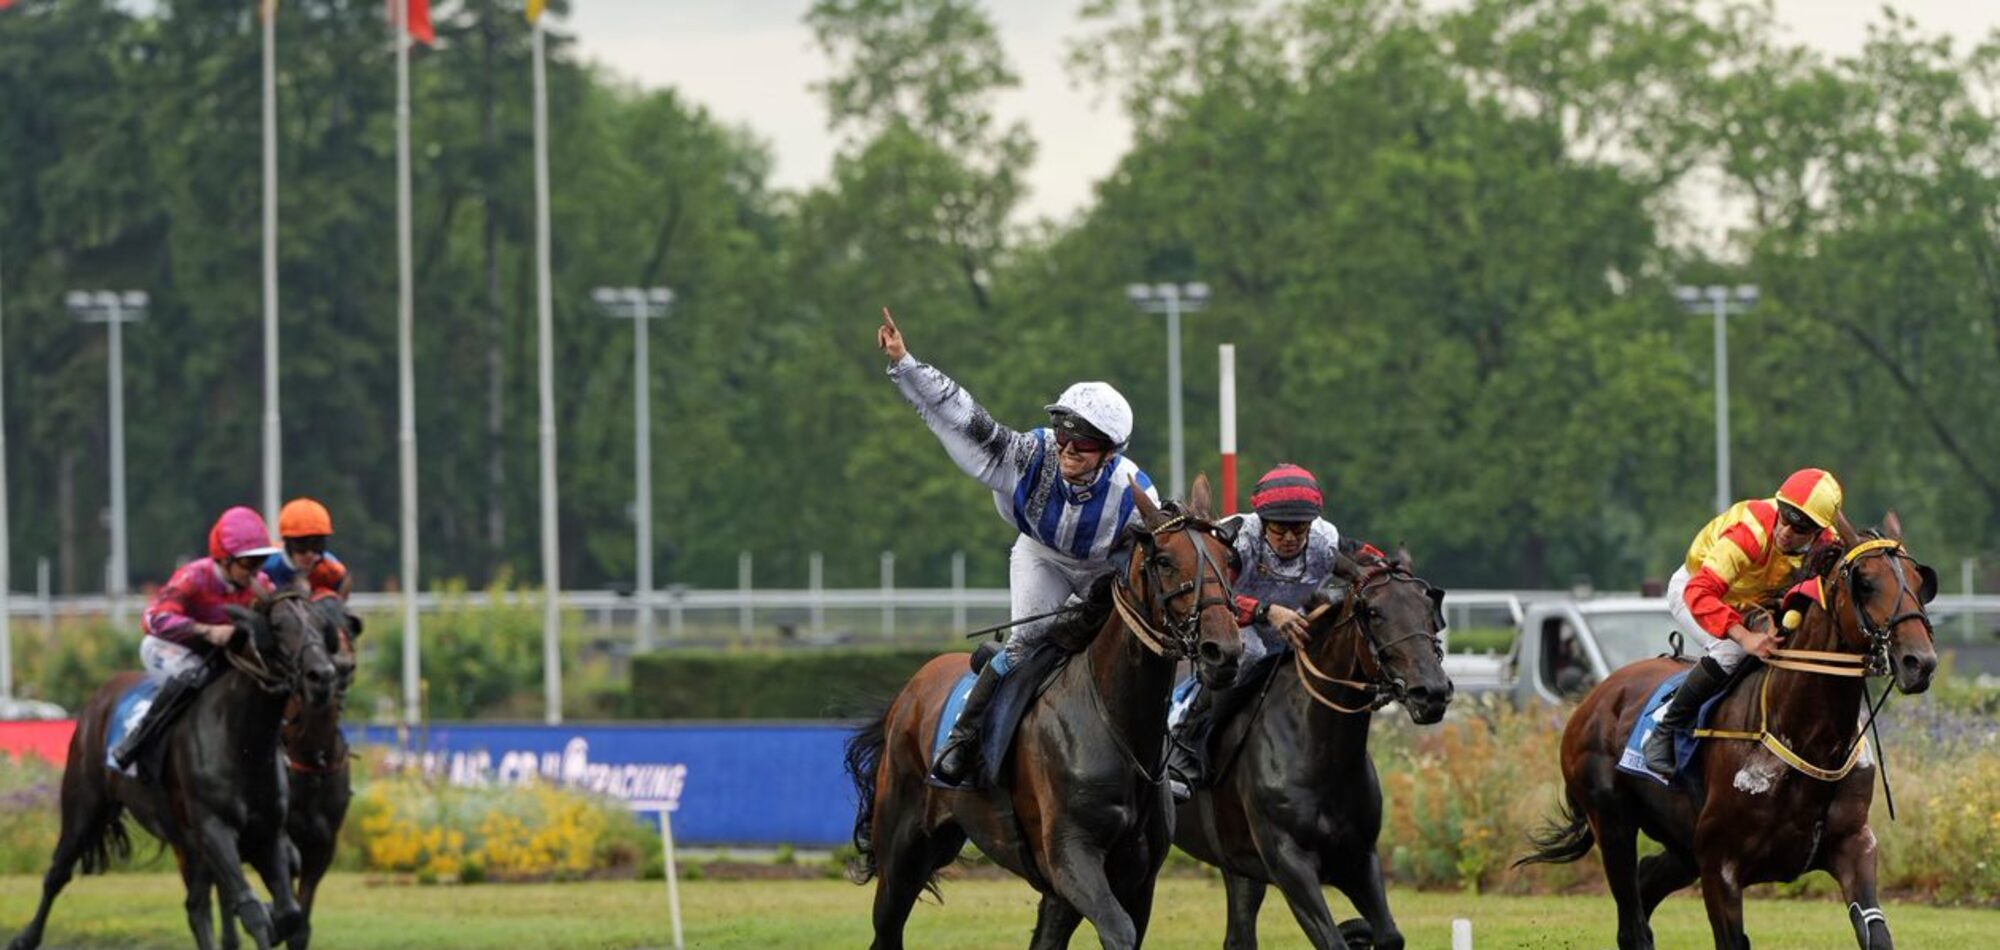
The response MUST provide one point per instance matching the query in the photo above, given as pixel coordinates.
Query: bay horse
(220, 797)
(1791, 800)
(1082, 812)
(1298, 804)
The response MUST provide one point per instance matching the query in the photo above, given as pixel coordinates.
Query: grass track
(143, 910)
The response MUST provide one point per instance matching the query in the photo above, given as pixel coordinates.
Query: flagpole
(6, 564)
(271, 429)
(406, 424)
(545, 333)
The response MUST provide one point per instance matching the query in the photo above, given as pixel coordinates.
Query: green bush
(65, 664)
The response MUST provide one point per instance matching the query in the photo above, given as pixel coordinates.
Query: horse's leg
(1724, 897)
(1055, 921)
(1618, 844)
(1297, 877)
(86, 817)
(274, 865)
(906, 857)
(1136, 871)
(1246, 897)
(1361, 881)
(1076, 871)
(214, 841)
(1662, 874)
(1852, 861)
(311, 870)
(232, 937)
(200, 912)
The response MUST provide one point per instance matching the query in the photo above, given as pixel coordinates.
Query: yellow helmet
(1815, 492)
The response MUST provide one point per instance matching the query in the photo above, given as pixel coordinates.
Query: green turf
(143, 910)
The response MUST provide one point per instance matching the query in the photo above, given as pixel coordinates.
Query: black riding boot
(1187, 754)
(1702, 682)
(174, 695)
(961, 749)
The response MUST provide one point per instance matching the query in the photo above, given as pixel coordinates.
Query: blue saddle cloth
(1685, 744)
(125, 716)
(1011, 699)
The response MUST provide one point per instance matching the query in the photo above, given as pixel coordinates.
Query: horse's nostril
(1211, 652)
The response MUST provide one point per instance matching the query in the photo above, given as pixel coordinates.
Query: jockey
(187, 619)
(1067, 488)
(304, 524)
(1285, 551)
(1744, 556)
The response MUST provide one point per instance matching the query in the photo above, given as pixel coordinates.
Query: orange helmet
(1815, 492)
(304, 517)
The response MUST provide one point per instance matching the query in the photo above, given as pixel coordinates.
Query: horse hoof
(1357, 934)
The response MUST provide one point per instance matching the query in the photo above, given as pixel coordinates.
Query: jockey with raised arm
(1285, 551)
(1744, 556)
(1067, 488)
(188, 618)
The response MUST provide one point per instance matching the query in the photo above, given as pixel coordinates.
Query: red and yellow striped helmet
(1814, 491)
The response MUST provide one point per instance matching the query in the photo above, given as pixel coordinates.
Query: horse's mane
(1076, 629)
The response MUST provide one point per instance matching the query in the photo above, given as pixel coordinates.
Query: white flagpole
(545, 370)
(271, 429)
(6, 565)
(406, 425)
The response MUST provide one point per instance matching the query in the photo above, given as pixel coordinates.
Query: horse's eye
(1164, 562)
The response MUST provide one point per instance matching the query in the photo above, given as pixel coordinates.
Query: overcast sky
(752, 63)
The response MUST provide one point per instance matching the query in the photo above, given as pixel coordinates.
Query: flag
(535, 8)
(419, 22)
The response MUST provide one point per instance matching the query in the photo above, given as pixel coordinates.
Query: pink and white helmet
(1099, 405)
(240, 532)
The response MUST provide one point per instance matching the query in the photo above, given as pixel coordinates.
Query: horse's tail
(1565, 838)
(105, 843)
(864, 760)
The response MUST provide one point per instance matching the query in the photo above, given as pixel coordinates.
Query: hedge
(769, 684)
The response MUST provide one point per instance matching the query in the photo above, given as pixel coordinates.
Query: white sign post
(673, 885)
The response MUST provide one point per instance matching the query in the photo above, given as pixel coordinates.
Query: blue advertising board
(726, 784)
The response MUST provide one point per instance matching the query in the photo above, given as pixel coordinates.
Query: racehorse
(1790, 799)
(220, 798)
(316, 764)
(1082, 811)
(1298, 803)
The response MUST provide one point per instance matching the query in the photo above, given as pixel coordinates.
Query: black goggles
(1798, 520)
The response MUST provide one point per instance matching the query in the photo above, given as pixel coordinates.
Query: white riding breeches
(1040, 580)
(165, 659)
(1726, 652)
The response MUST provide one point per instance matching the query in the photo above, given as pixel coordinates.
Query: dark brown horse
(316, 764)
(1298, 804)
(1748, 812)
(1082, 812)
(220, 798)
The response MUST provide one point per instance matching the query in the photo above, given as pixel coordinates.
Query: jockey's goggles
(1797, 520)
(307, 543)
(1081, 443)
(252, 563)
(1289, 529)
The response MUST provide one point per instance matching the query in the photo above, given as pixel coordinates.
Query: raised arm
(984, 449)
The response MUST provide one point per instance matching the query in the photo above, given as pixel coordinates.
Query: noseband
(1163, 634)
(1379, 687)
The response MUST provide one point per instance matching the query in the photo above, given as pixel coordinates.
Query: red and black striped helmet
(1287, 493)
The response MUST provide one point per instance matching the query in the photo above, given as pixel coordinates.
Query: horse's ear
(1200, 497)
(249, 624)
(1149, 513)
(1402, 557)
(1848, 536)
(1892, 526)
(1346, 568)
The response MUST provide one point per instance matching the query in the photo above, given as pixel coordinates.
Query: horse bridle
(279, 674)
(1168, 636)
(1379, 687)
(1879, 635)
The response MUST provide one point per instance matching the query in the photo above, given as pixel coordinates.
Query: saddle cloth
(1685, 744)
(127, 714)
(1011, 699)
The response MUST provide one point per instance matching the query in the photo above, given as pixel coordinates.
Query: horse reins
(1355, 604)
(255, 666)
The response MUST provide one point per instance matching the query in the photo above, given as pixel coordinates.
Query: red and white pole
(1228, 388)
